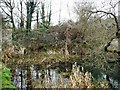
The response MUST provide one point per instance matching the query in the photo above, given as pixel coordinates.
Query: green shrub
(5, 76)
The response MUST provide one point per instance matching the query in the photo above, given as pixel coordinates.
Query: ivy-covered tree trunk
(28, 17)
(43, 13)
(30, 10)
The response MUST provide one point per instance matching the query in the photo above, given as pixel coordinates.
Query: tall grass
(77, 79)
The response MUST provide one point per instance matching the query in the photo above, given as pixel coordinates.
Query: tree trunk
(22, 20)
(66, 49)
(12, 20)
(43, 13)
(50, 13)
(28, 17)
(30, 10)
(37, 19)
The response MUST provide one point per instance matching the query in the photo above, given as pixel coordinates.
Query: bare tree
(49, 15)
(117, 36)
(83, 14)
(10, 5)
(116, 19)
(46, 19)
(60, 13)
(43, 12)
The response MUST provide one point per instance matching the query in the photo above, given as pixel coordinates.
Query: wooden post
(0, 35)
(118, 44)
(0, 48)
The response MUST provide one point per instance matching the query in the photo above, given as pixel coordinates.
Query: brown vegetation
(9, 53)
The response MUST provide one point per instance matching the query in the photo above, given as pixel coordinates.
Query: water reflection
(20, 77)
(25, 76)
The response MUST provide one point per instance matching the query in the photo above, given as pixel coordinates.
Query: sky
(67, 9)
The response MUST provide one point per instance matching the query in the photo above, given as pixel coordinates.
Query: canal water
(24, 77)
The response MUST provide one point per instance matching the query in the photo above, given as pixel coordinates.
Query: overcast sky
(67, 8)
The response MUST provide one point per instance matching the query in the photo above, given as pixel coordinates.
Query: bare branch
(117, 26)
(108, 13)
(4, 11)
(113, 6)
